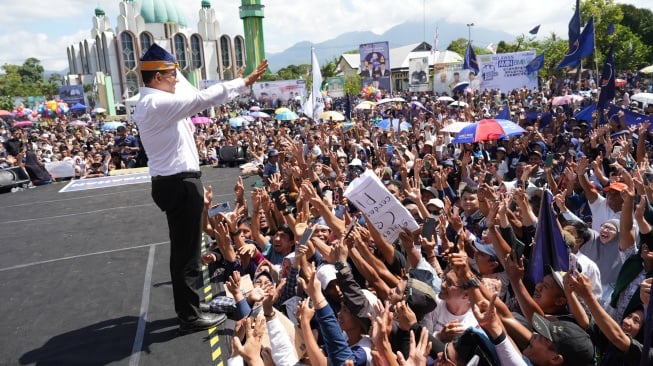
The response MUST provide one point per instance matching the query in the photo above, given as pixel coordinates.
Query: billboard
(418, 69)
(507, 71)
(72, 94)
(375, 65)
(336, 86)
(273, 94)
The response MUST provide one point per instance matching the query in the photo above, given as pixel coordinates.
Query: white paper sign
(388, 215)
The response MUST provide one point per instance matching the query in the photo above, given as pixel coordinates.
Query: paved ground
(79, 271)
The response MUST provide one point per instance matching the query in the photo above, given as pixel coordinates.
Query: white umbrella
(365, 105)
(445, 99)
(646, 98)
(459, 103)
(455, 127)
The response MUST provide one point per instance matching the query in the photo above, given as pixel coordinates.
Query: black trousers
(182, 199)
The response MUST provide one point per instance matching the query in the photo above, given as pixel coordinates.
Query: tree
(329, 68)
(640, 22)
(6, 102)
(353, 84)
(32, 72)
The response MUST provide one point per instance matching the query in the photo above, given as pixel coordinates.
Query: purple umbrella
(200, 120)
(259, 114)
(23, 123)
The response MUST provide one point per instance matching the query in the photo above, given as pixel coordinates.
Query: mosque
(109, 58)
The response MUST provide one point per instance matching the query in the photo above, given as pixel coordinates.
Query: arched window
(132, 83)
(196, 51)
(86, 61)
(225, 50)
(146, 42)
(180, 51)
(239, 50)
(128, 51)
(105, 54)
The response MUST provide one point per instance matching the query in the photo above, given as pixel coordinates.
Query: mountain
(399, 35)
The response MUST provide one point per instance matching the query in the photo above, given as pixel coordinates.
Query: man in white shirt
(162, 116)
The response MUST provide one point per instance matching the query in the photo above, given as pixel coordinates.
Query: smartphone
(549, 160)
(339, 211)
(326, 160)
(428, 228)
(276, 196)
(573, 262)
(220, 207)
(390, 148)
(337, 195)
(351, 227)
(427, 165)
(306, 236)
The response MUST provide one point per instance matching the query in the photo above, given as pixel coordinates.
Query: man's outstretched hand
(256, 74)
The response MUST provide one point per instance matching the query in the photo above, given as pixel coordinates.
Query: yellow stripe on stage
(214, 337)
(217, 353)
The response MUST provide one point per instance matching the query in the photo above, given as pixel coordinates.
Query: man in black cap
(162, 116)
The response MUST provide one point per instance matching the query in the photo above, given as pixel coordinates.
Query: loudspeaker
(13, 177)
(233, 155)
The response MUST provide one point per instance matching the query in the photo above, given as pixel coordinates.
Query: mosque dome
(99, 12)
(206, 4)
(161, 11)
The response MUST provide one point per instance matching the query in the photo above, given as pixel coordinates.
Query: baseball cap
(474, 342)
(356, 162)
(420, 297)
(436, 202)
(326, 273)
(557, 275)
(486, 248)
(431, 189)
(617, 186)
(273, 152)
(570, 340)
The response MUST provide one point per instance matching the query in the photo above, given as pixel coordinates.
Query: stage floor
(84, 279)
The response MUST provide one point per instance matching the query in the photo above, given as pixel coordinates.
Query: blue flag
(550, 248)
(574, 25)
(610, 29)
(607, 81)
(586, 113)
(534, 30)
(535, 64)
(470, 62)
(587, 39)
(504, 114)
(582, 47)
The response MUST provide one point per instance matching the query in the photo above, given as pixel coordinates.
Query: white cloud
(44, 31)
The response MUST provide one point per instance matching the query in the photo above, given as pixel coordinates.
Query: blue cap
(157, 58)
(487, 249)
(272, 152)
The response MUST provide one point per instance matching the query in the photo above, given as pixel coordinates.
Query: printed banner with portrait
(274, 94)
(375, 65)
(418, 69)
(71, 94)
(336, 86)
(507, 71)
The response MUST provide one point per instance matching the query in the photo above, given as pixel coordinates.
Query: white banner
(274, 94)
(388, 215)
(418, 69)
(507, 71)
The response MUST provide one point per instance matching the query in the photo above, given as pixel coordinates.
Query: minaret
(251, 12)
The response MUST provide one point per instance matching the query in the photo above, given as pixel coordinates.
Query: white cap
(356, 162)
(326, 273)
(436, 201)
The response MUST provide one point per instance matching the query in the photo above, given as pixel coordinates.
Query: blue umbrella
(385, 124)
(487, 129)
(110, 126)
(286, 116)
(78, 107)
(461, 86)
(237, 122)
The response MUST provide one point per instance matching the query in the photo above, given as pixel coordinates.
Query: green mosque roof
(206, 4)
(162, 11)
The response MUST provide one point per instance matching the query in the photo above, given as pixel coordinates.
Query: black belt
(182, 175)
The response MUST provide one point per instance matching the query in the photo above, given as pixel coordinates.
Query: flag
(435, 41)
(492, 47)
(534, 30)
(607, 80)
(574, 26)
(535, 64)
(470, 62)
(550, 248)
(610, 29)
(314, 105)
(586, 113)
(347, 107)
(504, 114)
(587, 39)
(582, 47)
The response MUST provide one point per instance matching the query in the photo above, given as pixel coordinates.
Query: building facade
(109, 58)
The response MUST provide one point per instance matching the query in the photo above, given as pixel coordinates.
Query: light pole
(469, 32)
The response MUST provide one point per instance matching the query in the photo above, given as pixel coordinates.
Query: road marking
(135, 358)
(78, 256)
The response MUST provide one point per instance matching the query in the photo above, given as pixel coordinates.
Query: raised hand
(418, 352)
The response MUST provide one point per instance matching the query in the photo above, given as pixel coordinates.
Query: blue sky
(43, 29)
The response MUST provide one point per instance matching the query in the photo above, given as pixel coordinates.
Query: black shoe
(205, 308)
(204, 321)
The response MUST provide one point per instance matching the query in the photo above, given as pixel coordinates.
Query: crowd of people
(456, 291)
